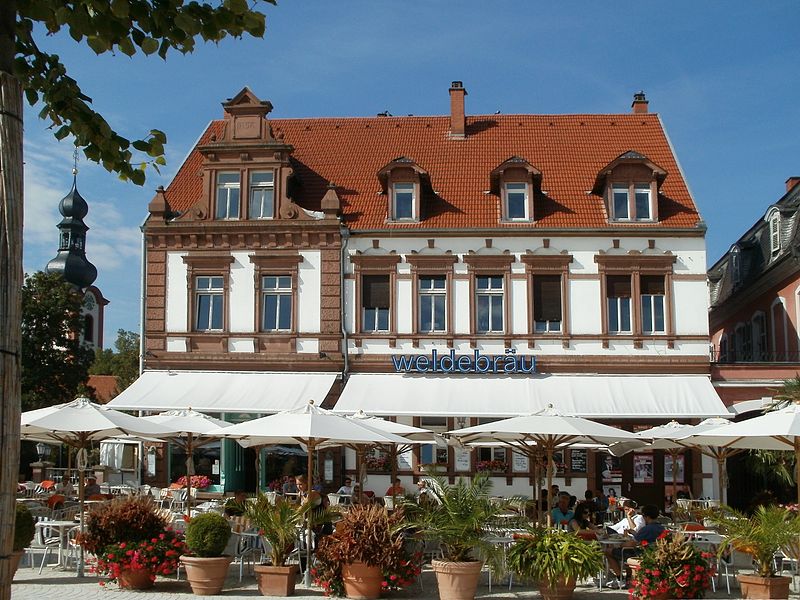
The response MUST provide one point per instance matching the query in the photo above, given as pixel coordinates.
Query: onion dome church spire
(71, 259)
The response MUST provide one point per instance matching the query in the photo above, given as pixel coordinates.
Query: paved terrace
(63, 585)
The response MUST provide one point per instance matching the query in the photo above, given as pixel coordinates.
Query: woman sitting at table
(65, 487)
(580, 522)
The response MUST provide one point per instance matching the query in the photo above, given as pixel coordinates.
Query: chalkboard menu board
(577, 461)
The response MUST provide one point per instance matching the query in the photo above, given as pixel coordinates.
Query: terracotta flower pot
(457, 580)
(15, 558)
(362, 581)
(561, 589)
(206, 575)
(139, 579)
(276, 581)
(754, 586)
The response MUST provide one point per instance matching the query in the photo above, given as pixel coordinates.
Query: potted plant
(24, 530)
(365, 554)
(671, 568)
(760, 535)
(457, 517)
(206, 567)
(278, 524)
(132, 541)
(556, 560)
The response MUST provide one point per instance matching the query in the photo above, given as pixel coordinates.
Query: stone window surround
(208, 264)
(435, 265)
(275, 262)
(487, 265)
(382, 264)
(635, 265)
(549, 264)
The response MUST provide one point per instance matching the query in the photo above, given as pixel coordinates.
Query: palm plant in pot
(556, 560)
(761, 536)
(206, 567)
(458, 518)
(278, 525)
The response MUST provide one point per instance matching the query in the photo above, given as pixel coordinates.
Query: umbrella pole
(359, 463)
(80, 500)
(307, 574)
(393, 458)
(537, 490)
(189, 473)
(720, 484)
(797, 466)
(674, 454)
(549, 468)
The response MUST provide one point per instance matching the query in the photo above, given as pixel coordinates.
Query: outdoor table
(63, 528)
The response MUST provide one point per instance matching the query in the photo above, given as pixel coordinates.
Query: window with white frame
(403, 201)
(620, 202)
(228, 185)
(375, 303)
(743, 343)
(432, 304)
(642, 202)
(759, 337)
(652, 301)
(489, 303)
(736, 265)
(618, 302)
(209, 303)
(262, 195)
(775, 232)
(546, 303)
(432, 454)
(516, 201)
(631, 202)
(276, 303)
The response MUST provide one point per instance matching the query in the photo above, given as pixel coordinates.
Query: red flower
(644, 542)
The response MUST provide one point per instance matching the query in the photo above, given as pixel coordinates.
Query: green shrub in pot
(24, 528)
(207, 535)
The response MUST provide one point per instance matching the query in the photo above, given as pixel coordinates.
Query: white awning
(591, 396)
(218, 392)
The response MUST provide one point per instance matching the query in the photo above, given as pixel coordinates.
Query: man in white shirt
(632, 522)
(347, 488)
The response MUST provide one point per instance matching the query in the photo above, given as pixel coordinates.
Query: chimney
(639, 103)
(457, 116)
(791, 183)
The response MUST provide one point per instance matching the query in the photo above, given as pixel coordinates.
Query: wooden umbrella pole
(393, 457)
(797, 466)
(359, 463)
(549, 468)
(81, 502)
(674, 454)
(721, 469)
(310, 447)
(189, 473)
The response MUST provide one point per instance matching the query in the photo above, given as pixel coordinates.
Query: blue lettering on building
(508, 363)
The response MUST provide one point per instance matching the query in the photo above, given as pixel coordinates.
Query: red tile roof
(104, 386)
(569, 150)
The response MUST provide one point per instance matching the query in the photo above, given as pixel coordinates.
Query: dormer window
(775, 232)
(402, 181)
(516, 201)
(736, 268)
(262, 195)
(515, 181)
(403, 201)
(228, 185)
(630, 186)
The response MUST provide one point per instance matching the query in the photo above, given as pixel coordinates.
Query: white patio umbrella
(547, 430)
(313, 427)
(77, 424)
(193, 432)
(774, 430)
(414, 435)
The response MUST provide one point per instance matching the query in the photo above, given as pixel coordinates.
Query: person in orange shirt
(396, 490)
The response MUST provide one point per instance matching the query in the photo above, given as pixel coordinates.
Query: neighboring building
(105, 387)
(755, 315)
(363, 260)
(72, 264)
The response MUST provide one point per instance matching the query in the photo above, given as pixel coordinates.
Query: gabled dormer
(515, 181)
(773, 221)
(629, 185)
(245, 168)
(735, 265)
(402, 182)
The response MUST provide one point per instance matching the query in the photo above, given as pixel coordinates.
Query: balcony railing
(731, 357)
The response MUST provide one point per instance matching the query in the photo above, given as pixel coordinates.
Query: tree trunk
(10, 286)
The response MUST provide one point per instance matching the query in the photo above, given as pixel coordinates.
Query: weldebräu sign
(464, 363)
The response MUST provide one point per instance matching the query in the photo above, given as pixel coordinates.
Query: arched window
(88, 329)
(759, 336)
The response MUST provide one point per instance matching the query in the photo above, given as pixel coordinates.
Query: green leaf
(160, 160)
(31, 96)
(137, 177)
(141, 145)
(62, 133)
(119, 8)
(149, 45)
(126, 46)
(237, 6)
(97, 44)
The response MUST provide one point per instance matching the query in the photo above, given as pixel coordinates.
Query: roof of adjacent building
(569, 150)
(755, 249)
(105, 387)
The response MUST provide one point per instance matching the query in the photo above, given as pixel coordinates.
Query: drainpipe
(345, 233)
(142, 308)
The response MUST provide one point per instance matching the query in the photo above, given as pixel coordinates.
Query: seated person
(65, 487)
(91, 488)
(562, 514)
(631, 523)
(591, 504)
(289, 486)
(396, 490)
(580, 522)
(425, 496)
(649, 533)
(347, 488)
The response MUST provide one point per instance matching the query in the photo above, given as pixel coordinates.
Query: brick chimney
(639, 103)
(791, 183)
(457, 117)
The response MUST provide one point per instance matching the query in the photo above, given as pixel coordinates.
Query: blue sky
(722, 74)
